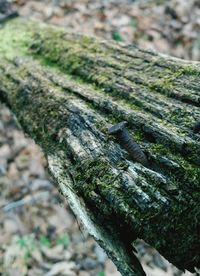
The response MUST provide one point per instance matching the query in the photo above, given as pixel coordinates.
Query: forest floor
(38, 233)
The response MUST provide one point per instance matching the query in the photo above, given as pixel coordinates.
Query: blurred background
(38, 233)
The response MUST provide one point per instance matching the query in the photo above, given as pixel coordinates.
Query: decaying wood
(66, 90)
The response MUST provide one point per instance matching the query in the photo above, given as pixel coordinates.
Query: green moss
(191, 70)
(187, 175)
(72, 56)
(176, 219)
(14, 43)
(66, 55)
(93, 175)
(166, 79)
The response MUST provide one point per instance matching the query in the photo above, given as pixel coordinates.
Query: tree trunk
(66, 90)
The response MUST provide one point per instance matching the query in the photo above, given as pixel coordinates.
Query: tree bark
(66, 90)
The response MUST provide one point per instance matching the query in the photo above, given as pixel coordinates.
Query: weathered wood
(66, 90)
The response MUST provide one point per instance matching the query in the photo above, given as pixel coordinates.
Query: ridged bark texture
(66, 90)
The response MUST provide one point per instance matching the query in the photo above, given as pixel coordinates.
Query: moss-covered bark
(66, 90)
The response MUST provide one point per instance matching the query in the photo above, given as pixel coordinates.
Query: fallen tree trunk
(66, 90)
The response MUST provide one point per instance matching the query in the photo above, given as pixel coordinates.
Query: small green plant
(117, 36)
(63, 239)
(44, 241)
(101, 273)
(27, 244)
